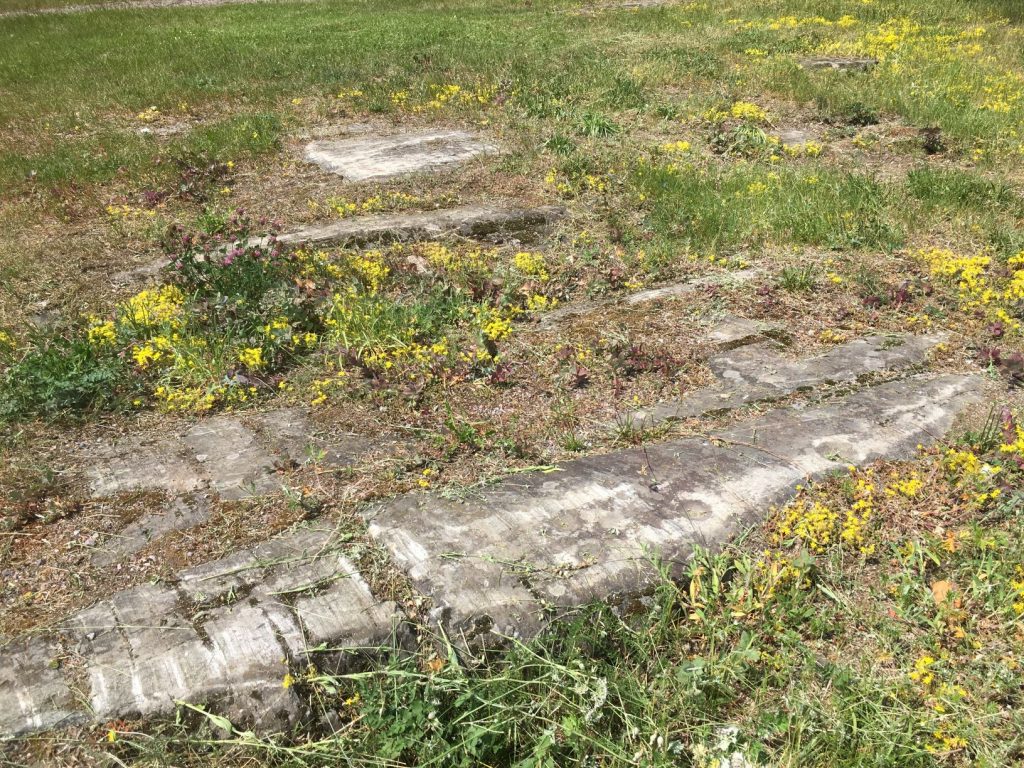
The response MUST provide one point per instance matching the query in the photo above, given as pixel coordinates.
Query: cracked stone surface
(840, 63)
(223, 634)
(234, 457)
(757, 372)
(360, 158)
(468, 220)
(501, 563)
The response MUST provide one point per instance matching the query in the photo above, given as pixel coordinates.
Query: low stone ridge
(233, 457)
(468, 221)
(504, 562)
(223, 634)
(671, 291)
(359, 158)
(757, 372)
(840, 63)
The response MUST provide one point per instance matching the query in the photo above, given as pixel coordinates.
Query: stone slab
(361, 158)
(732, 331)
(177, 514)
(34, 694)
(532, 547)
(223, 635)
(232, 455)
(839, 63)
(759, 372)
(480, 221)
(671, 291)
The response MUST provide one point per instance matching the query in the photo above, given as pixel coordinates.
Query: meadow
(874, 620)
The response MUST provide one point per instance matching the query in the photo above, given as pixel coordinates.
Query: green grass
(808, 664)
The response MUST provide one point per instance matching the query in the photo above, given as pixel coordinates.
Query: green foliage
(60, 373)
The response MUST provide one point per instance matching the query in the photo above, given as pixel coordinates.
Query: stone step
(503, 562)
(234, 456)
(477, 221)
(366, 157)
(839, 63)
(669, 292)
(758, 372)
(225, 633)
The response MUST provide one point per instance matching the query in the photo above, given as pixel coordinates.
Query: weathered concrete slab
(759, 372)
(235, 456)
(468, 221)
(359, 158)
(177, 514)
(502, 562)
(147, 462)
(224, 635)
(34, 694)
(671, 291)
(732, 331)
(839, 63)
(233, 460)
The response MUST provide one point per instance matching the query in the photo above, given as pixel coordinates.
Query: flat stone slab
(467, 220)
(758, 372)
(839, 63)
(507, 560)
(361, 158)
(225, 634)
(234, 456)
(178, 514)
(670, 291)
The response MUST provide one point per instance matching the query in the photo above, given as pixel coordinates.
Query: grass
(826, 635)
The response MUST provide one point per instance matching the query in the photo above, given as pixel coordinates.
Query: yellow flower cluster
(813, 523)
(922, 672)
(790, 22)
(251, 358)
(807, 149)
(155, 350)
(388, 201)
(321, 388)
(101, 333)
(978, 286)
(744, 110)
(457, 260)
(447, 95)
(675, 147)
(532, 264)
(153, 307)
(494, 324)
(859, 515)
(129, 212)
(370, 268)
(909, 487)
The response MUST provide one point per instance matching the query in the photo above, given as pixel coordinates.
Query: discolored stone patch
(361, 158)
